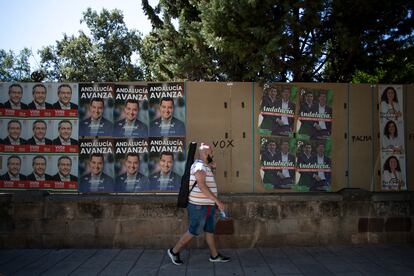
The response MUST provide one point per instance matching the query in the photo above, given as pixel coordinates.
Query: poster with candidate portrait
(39, 99)
(131, 165)
(96, 165)
(315, 114)
(277, 110)
(167, 109)
(64, 171)
(166, 163)
(392, 146)
(393, 173)
(96, 104)
(277, 160)
(313, 165)
(14, 99)
(65, 136)
(15, 132)
(131, 111)
(14, 171)
(40, 125)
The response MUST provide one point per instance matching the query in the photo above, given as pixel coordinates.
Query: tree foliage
(15, 67)
(281, 40)
(104, 55)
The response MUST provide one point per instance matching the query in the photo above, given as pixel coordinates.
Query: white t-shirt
(196, 196)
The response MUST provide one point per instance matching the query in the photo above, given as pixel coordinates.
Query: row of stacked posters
(92, 137)
(39, 136)
(391, 121)
(295, 124)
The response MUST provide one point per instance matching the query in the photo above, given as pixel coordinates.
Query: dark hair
(132, 101)
(64, 121)
(37, 157)
(169, 153)
(39, 121)
(97, 155)
(286, 88)
(320, 144)
(38, 85)
(384, 97)
(13, 156)
(322, 93)
(97, 100)
(64, 85)
(13, 121)
(167, 99)
(308, 92)
(15, 85)
(387, 164)
(386, 132)
(306, 144)
(133, 154)
(64, 157)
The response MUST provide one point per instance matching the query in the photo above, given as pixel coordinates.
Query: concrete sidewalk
(346, 260)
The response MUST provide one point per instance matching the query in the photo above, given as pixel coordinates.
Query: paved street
(336, 260)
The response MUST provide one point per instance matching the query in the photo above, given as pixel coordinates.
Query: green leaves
(104, 55)
(15, 67)
(279, 40)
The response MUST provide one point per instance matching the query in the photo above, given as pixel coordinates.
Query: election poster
(166, 109)
(96, 165)
(65, 136)
(131, 165)
(277, 160)
(166, 163)
(96, 105)
(131, 111)
(393, 176)
(391, 124)
(277, 110)
(16, 133)
(40, 135)
(39, 99)
(39, 171)
(313, 165)
(14, 171)
(315, 114)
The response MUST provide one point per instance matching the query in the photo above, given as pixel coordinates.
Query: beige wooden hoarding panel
(257, 97)
(361, 136)
(241, 137)
(409, 130)
(208, 120)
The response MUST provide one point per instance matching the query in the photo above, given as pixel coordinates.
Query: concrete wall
(350, 216)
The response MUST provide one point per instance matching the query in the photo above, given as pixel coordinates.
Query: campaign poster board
(166, 163)
(96, 105)
(131, 111)
(277, 162)
(313, 165)
(96, 165)
(131, 165)
(167, 109)
(392, 133)
(39, 122)
(277, 110)
(39, 99)
(38, 171)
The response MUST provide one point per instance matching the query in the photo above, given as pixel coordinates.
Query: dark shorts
(201, 217)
